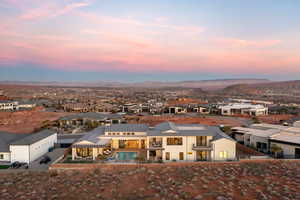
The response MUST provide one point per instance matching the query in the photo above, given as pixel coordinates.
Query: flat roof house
(25, 148)
(263, 136)
(166, 141)
(9, 105)
(243, 109)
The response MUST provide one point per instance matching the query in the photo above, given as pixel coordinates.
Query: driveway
(54, 155)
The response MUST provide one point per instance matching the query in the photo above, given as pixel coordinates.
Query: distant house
(202, 109)
(25, 148)
(166, 141)
(81, 118)
(26, 105)
(177, 110)
(8, 105)
(243, 109)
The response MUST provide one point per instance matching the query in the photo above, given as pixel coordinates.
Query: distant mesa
(203, 84)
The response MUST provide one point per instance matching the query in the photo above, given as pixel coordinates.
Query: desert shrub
(140, 159)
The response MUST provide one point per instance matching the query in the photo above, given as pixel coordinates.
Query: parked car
(45, 160)
(17, 165)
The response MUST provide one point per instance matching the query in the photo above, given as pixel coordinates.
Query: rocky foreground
(245, 180)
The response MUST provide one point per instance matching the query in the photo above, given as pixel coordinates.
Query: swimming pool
(126, 155)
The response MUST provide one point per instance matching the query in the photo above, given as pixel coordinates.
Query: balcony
(155, 145)
(200, 147)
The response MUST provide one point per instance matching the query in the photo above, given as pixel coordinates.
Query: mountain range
(203, 84)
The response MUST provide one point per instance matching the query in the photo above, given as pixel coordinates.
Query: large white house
(25, 148)
(243, 109)
(166, 141)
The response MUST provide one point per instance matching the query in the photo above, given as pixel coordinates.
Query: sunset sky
(137, 40)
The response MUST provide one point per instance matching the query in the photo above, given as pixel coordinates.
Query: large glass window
(167, 155)
(174, 141)
(181, 156)
(84, 152)
(201, 140)
(223, 154)
(202, 155)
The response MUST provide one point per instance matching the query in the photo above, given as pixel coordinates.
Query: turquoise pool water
(126, 155)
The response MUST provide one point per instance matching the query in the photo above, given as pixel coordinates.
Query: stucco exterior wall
(6, 157)
(19, 153)
(41, 147)
(288, 150)
(222, 145)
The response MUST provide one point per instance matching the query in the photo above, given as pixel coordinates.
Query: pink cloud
(118, 38)
(51, 9)
(235, 42)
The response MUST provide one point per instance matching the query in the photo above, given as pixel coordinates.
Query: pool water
(126, 155)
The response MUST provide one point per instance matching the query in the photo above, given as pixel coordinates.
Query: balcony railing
(155, 145)
(202, 147)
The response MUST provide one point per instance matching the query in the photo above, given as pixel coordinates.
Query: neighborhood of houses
(232, 107)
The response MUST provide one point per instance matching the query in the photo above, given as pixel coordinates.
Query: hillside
(285, 90)
(263, 180)
(204, 84)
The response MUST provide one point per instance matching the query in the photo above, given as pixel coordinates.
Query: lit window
(223, 154)
(174, 141)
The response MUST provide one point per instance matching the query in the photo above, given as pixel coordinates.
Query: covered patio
(91, 151)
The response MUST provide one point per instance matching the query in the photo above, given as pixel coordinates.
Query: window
(201, 140)
(181, 156)
(167, 155)
(223, 154)
(174, 141)
(1, 156)
(261, 145)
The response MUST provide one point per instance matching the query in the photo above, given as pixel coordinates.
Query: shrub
(140, 159)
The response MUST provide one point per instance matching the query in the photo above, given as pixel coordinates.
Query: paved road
(54, 155)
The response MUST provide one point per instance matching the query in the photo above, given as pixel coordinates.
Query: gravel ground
(263, 180)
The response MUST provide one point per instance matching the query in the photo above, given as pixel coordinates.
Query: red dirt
(26, 121)
(184, 101)
(265, 179)
(274, 119)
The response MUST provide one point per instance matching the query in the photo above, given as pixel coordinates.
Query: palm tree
(276, 149)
